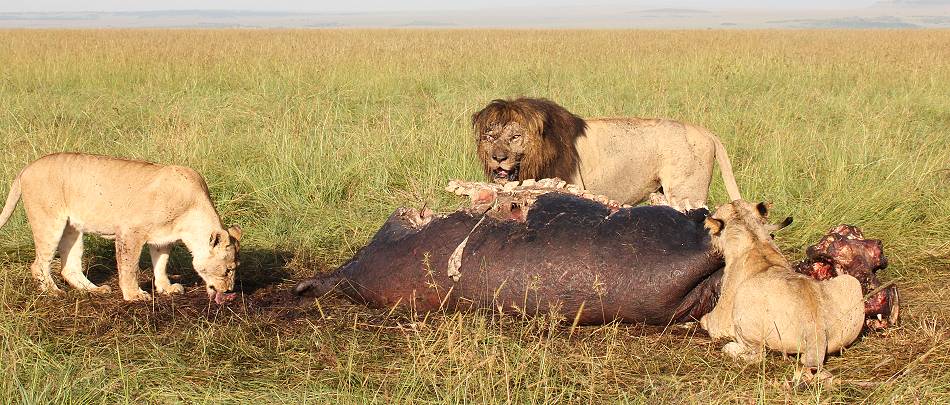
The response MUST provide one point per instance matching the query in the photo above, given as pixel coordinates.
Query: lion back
(100, 193)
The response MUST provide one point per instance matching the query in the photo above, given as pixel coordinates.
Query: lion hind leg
(658, 199)
(687, 191)
(45, 240)
(70, 255)
(128, 248)
(665, 200)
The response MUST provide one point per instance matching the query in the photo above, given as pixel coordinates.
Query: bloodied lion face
(504, 144)
(217, 264)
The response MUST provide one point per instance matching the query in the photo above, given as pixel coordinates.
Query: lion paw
(733, 349)
(54, 291)
(171, 289)
(811, 375)
(686, 325)
(50, 288)
(742, 352)
(808, 376)
(102, 289)
(137, 296)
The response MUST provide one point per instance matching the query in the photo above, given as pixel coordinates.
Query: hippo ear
(713, 225)
(763, 208)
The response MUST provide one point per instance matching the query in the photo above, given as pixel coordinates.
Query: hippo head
(843, 250)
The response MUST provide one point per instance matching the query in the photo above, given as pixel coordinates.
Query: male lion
(67, 194)
(765, 304)
(626, 159)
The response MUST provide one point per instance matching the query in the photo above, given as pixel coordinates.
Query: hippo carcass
(589, 262)
(844, 250)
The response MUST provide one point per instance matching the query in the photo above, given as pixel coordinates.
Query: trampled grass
(309, 140)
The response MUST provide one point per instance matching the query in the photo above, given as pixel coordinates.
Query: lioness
(67, 194)
(626, 159)
(764, 303)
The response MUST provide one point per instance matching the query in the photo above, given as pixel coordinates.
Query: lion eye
(516, 136)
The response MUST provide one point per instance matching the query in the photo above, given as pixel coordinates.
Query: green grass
(310, 139)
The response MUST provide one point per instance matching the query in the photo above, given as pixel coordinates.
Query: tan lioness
(765, 304)
(68, 194)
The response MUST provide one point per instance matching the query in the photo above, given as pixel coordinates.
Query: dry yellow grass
(310, 139)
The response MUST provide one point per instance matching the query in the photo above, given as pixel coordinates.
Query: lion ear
(775, 227)
(713, 225)
(763, 208)
(542, 124)
(786, 222)
(216, 239)
(235, 232)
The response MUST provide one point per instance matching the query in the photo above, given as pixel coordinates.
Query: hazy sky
(406, 5)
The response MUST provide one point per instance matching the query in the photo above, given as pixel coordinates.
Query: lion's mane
(549, 140)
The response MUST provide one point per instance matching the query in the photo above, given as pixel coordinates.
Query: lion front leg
(159, 266)
(128, 247)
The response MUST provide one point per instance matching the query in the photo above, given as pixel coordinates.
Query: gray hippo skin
(576, 257)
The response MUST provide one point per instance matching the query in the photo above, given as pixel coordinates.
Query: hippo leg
(317, 286)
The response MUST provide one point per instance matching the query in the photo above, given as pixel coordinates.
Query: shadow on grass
(260, 268)
(264, 285)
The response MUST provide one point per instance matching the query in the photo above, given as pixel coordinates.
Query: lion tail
(816, 345)
(725, 167)
(12, 198)
(815, 337)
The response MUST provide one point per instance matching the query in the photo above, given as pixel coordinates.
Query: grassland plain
(310, 138)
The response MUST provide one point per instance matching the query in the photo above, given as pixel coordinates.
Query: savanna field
(310, 139)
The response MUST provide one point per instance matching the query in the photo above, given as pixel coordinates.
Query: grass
(309, 139)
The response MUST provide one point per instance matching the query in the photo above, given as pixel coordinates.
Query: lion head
(741, 226)
(527, 138)
(217, 265)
